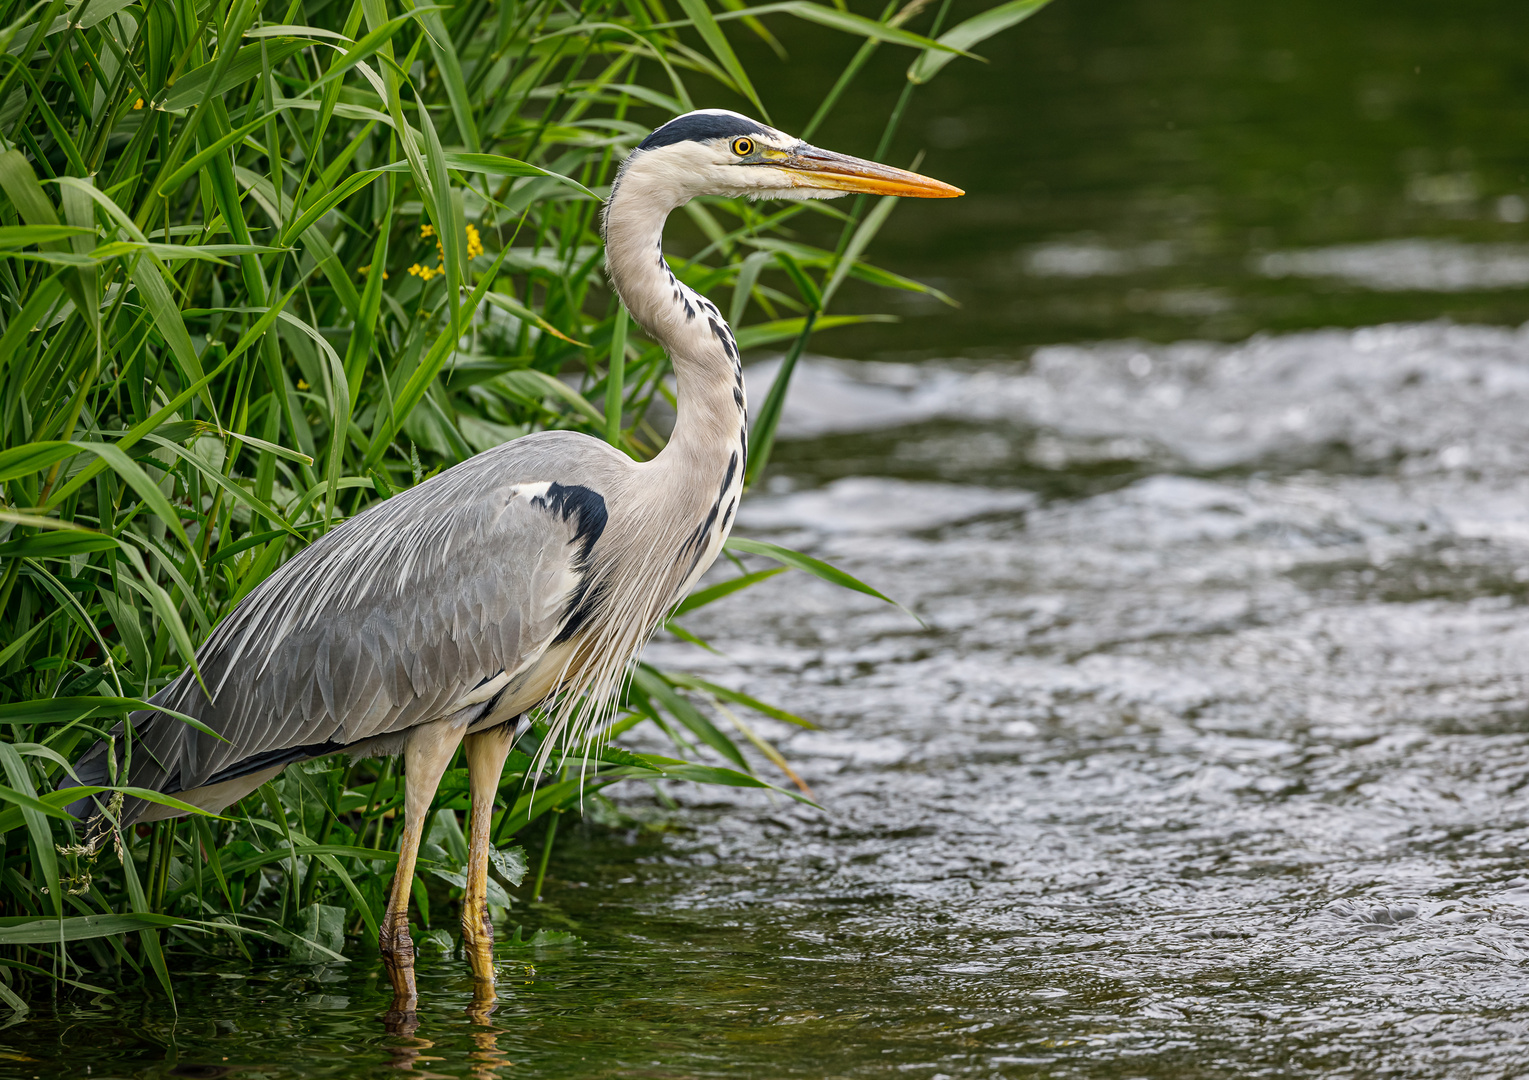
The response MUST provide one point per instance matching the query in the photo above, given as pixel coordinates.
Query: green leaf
(973, 31)
(615, 377)
(66, 710)
(738, 698)
(139, 481)
(20, 183)
(29, 930)
(40, 833)
(20, 643)
(374, 42)
(804, 284)
(716, 41)
(15, 236)
(857, 244)
(652, 683)
(813, 566)
(702, 597)
(171, 183)
(194, 86)
(29, 458)
(851, 23)
(321, 206)
(675, 769)
(497, 165)
(509, 863)
(150, 279)
(56, 545)
(449, 69)
(53, 802)
(536, 385)
(768, 333)
(31, 802)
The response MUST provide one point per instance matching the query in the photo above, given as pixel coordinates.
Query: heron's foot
(478, 939)
(397, 949)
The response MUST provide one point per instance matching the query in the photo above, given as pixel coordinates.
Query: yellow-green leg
(426, 755)
(486, 752)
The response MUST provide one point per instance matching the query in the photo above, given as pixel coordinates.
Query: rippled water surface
(1210, 753)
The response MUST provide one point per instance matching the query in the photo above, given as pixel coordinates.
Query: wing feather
(390, 618)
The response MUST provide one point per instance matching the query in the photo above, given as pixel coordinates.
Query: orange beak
(825, 169)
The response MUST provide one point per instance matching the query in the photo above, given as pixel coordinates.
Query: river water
(1207, 753)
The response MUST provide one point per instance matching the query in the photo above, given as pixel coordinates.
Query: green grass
(263, 264)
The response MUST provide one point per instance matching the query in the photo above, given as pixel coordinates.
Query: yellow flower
(138, 104)
(426, 230)
(368, 269)
(474, 242)
(302, 385)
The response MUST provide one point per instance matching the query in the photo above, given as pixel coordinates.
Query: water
(1209, 756)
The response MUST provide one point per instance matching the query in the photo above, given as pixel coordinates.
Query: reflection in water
(487, 1058)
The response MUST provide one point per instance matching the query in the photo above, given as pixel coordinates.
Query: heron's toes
(397, 949)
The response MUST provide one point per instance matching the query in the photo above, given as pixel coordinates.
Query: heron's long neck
(713, 414)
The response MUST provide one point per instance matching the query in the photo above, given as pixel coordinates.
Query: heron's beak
(811, 167)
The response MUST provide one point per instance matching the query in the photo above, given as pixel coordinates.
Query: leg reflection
(487, 1059)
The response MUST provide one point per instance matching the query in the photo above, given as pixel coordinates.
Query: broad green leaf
(327, 202)
(520, 311)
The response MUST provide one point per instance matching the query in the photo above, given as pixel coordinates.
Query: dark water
(1211, 757)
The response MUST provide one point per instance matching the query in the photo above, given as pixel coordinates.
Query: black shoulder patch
(698, 127)
(569, 499)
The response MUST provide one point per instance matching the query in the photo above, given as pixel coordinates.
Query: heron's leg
(426, 755)
(486, 752)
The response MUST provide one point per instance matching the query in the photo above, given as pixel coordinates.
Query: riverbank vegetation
(263, 264)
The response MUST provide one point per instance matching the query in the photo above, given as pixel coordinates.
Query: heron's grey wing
(388, 621)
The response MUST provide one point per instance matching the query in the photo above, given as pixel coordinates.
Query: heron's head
(716, 152)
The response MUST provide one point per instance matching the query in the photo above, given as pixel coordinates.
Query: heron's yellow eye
(743, 146)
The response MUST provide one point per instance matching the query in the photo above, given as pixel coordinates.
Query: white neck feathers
(712, 416)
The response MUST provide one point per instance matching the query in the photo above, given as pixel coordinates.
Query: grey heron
(530, 575)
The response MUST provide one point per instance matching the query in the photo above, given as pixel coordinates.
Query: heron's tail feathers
(151, 762)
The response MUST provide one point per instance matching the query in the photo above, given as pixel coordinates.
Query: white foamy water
(1407, 265)
(1238, 733)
